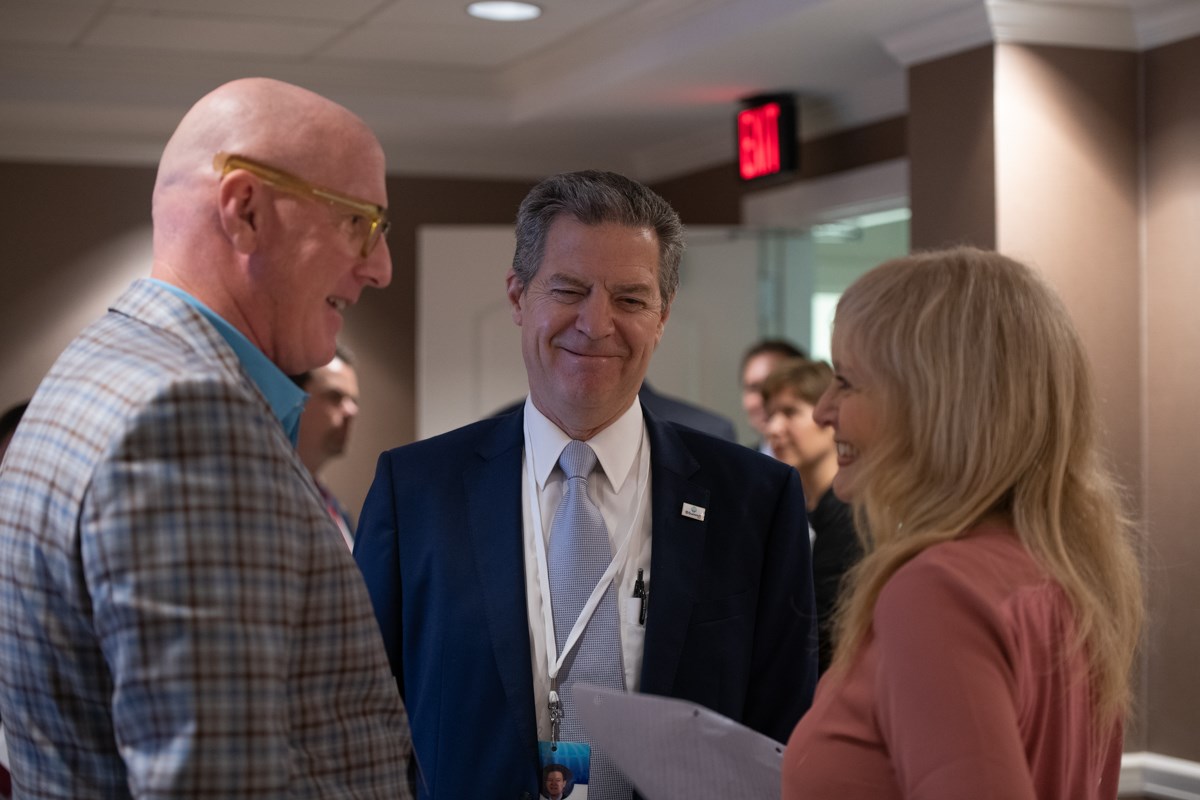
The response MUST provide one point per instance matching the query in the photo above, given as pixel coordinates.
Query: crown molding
(1166, 24)
(940, 36)
(1129, 26)
(1072, 25)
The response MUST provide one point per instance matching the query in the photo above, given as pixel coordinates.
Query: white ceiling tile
(46, 21)
(441, 32)
(208, 34)
(319, 10)
(440, 46)
(558, 16)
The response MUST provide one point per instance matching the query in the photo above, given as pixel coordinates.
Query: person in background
(790, 392)
(325, 426)
(482, 546)
(8, 425)
(760, 358)
(681, 412)
(178, 618)
(987, 639)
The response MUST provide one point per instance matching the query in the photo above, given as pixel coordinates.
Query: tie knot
(577, 460)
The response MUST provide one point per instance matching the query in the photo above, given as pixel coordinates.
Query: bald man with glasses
(179, 617)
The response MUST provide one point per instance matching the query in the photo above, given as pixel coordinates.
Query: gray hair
(597, 198)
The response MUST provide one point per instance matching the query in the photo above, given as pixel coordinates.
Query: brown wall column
(1172, 293)
(1035, 150)
(951, 151)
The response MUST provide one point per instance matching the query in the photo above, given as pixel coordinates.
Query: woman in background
(986, 640)
(790, 392)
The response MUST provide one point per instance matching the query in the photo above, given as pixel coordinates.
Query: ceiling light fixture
(504, 11)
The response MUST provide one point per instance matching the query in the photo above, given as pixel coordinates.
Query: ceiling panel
(441, 32)
(208, 34)
(642, 86)
(318, 10)
(45, 22)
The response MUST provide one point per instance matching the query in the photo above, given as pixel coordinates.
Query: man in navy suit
(710, 564)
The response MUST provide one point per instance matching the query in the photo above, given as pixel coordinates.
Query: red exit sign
(766, 134)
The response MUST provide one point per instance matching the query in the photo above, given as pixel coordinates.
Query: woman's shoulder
(986, 566)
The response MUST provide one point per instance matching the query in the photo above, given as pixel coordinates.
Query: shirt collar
(283, 395)
(616, 447)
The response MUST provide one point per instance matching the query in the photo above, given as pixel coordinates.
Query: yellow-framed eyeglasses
(225, 163)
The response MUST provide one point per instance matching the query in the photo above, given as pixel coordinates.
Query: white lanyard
(554, 663)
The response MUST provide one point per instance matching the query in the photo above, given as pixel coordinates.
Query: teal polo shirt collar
(284, 396)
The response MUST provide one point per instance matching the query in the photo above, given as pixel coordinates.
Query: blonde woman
(985, 644)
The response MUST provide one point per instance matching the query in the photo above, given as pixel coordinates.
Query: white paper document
(676, 750)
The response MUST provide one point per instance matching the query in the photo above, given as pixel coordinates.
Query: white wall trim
(1152, 775)
(941, 36)
(1024, 22)
(878, 187)
(1160, 25)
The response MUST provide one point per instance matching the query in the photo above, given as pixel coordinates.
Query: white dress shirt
(622, 452)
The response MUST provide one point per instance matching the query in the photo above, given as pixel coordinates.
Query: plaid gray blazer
(178, 615)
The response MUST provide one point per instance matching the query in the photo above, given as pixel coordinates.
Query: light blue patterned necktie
(579, 556)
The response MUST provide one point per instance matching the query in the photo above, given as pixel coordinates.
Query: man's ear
(239, 205)
(516, 294)
(662, 320)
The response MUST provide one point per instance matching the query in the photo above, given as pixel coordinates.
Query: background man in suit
(682, 412)
(459, 532)
(325, 426)
(178, 615)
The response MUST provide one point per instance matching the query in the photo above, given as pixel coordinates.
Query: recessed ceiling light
(504, 11)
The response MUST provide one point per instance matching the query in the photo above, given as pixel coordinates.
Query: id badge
(564, 769)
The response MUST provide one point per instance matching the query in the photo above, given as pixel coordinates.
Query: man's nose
(377, 266)
(595, 315)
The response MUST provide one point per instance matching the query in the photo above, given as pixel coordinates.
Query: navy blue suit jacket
(730, 622)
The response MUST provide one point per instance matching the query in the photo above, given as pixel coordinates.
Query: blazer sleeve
(376, 550)
(188, 544)
(784, 666)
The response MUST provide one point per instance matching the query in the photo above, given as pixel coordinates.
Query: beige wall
(73, 237)
(1067, 189)
(1086, 163)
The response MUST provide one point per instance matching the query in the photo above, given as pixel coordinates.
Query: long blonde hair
(988, 410)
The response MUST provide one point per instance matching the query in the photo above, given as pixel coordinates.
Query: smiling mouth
(337, 303)
(846, 451)
(589, 355)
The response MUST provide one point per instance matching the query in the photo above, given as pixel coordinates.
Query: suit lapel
(677, 555)
(493, 488)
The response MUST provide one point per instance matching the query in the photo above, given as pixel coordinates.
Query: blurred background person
(698, 418)
(325, 426)
(790, 392)
(8, 425)
(757, 363)
(987, 639)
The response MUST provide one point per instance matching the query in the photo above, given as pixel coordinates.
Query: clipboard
(675, 750)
